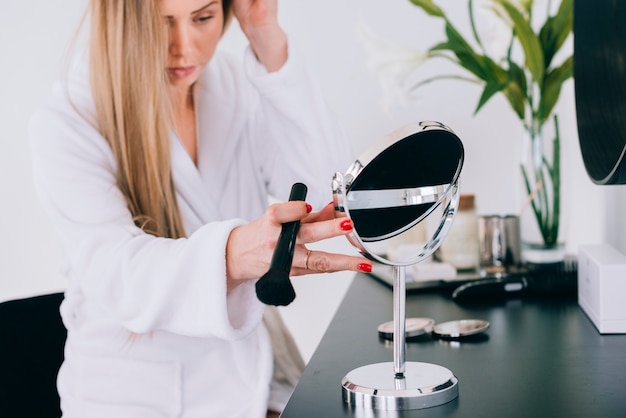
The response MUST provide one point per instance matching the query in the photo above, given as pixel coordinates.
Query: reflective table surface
(538, 358)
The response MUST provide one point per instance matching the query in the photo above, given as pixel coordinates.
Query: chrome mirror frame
(400, 385)
(439, 195)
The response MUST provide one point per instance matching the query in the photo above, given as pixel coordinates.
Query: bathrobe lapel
(194, 197)
(200, 189)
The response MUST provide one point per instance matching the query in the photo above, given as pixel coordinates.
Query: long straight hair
(129, 85)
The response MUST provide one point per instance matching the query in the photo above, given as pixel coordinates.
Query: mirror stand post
(399, 321)
(412, 385)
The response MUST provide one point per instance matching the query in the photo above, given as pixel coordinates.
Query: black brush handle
(283, 253)
(273, 287)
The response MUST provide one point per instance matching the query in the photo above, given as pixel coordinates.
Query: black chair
(32, 338)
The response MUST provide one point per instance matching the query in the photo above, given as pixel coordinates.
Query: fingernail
(366, 268)
(309, 208)
(331, 203)
(346, 225)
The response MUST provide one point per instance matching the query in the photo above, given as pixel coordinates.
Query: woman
(154, 161)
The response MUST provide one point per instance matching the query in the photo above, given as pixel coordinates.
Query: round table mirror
(401, 195)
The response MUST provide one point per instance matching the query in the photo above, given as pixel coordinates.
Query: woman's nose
(179, 40)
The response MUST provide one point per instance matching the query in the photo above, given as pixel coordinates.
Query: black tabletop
(539, 358)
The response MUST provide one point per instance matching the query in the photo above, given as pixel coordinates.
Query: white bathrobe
(200, 352)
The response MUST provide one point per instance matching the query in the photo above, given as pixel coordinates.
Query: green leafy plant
(531, 86)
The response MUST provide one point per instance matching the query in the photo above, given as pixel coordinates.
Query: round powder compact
(460, 329)
(414, 328)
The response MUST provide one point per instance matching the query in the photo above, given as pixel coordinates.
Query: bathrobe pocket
(128, 387)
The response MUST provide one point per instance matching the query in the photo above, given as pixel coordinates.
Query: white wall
(33, 38)
(34, 35)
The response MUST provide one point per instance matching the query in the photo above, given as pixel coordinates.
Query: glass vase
(540, 168)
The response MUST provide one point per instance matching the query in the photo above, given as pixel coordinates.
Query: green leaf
(511, 83)
(470, 6)
(517, 74)
(516, 98)
(556, 179)
(468, 59)
(552, 87)
(490, 90)
(442, 46)
(548, 40)
(495, 73)
(429, 7)
(528, 39)
(515, 90)
(555, 30)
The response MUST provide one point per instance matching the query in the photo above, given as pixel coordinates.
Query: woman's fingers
(317, 231)
(250, 247)
(316, 227)
(313, 261)
(325, 214)
(298, 210)
(281, 213)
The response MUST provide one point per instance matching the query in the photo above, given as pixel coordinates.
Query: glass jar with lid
(460, 247)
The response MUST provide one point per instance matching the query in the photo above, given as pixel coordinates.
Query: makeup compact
(451, 330)
(460, 329)
(414, 327)
(401, 195)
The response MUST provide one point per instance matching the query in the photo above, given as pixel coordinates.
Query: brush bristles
(275, 288)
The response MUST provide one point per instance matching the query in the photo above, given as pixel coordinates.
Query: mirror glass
(401, 193)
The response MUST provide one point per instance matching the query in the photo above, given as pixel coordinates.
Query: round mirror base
(375, 386)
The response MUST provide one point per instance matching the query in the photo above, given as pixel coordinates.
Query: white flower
(392, 63)
(524, 6)
(496, 8)
(495, 33)
(496, 28)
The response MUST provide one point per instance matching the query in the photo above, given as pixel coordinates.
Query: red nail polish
(309, 208)
(331, 203)
(346, 225)
(366, 268)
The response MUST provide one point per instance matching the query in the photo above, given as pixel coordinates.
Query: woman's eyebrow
(205, 6)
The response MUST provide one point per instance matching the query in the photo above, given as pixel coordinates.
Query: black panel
(32, 338)
(600, 87)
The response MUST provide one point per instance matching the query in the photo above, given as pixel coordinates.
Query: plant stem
(441, 77)
(544, 176)
(472, 23)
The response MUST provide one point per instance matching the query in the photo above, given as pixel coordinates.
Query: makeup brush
(274, 287)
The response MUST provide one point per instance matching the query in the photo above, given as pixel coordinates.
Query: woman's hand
(250, 247)
(259, 21)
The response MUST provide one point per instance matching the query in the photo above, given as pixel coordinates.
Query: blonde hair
(129, 85)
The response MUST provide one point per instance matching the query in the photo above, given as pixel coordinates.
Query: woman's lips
(181, 72)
